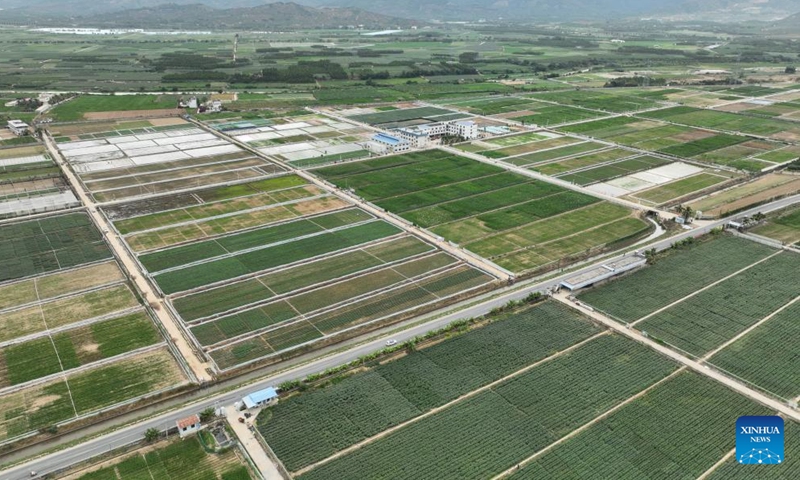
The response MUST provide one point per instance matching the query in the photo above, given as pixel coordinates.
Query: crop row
(193, 252)
(74, 348)
(674, 276)
(316, 424)
(52, 243)
(680, 429)
(270, 257)
(45, 405)
(496, 429)
(716, 315)
(261, 288)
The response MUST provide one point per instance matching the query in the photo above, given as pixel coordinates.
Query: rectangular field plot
(495, 429)
(466, 201)
(783, 227)
(235, 265)
(427, 378)
(74, 348)
(701, 323)
(404, 297)
(66, 311)
(399, 115)
(613, 170)
(48, 244)
(599, 100)
(87, 392)
(556, 153)
(675, 275)
(740, 197)
(55, 285)
(182, 459)
(687, 186)
(258, 289)
(679, 429)
(767, 355)
(704, 118)
(300, 202)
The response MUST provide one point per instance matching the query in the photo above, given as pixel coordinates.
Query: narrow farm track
(697, 366)
(447, 405)
(717, 465)
(459, 253)
(199, 367)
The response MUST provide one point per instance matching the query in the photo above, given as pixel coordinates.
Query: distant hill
(39, 11)
(273, 16)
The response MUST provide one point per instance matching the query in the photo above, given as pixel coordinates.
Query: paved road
(133, 433)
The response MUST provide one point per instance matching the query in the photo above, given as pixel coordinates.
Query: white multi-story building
(382, 144)
(419, 136)
(19, 127)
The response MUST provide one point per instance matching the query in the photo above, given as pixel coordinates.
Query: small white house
(188, 426)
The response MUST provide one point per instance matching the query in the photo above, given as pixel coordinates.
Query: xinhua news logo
(759, 440)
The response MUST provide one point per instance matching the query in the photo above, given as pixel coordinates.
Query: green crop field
(66, 310)
(261, 288)
(599, 100)
(76, 108)
(603, 128)
(710, 318)
(519, 139)
(555, 114)
(273, 256)
(44, 405)
(554, 153)
(305, 303)
(704, 118)
(184, 459)
(784, 227)
(766, 355)
(680, 429)
(52, 243)
(430, 377)
(685, 186)
(384, 306)
(181, 255)
(674, 276)
(400, 115)
(495, 429)
(704, 145)
(290, 187)
(77, 347)
(618, 169)
(465, 201)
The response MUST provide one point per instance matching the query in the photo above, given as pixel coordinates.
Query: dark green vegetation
(711, 317)
(271, 256)
(398, 390)
(472, 203)
(395, 116)
(765, 355)
(76, 108)
(677, 274)
(179, 460)
(618, 169)
(50, 243)
(495, 429)
(76, 347)
(679, 429)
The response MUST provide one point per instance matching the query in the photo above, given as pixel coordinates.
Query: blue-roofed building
(383, 143)
(261, 398)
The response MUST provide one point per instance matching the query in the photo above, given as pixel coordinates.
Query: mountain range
(231, 12)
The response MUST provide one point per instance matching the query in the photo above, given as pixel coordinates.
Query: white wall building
(382, 144)
(187, 426)
(419, 136)
(18, 127)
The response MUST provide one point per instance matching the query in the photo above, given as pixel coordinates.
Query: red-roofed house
(188, 425)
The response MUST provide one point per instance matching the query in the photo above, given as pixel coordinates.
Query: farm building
(187, 426)
(420, 135)
(19, 127)
(382, 143)
(261, 398)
